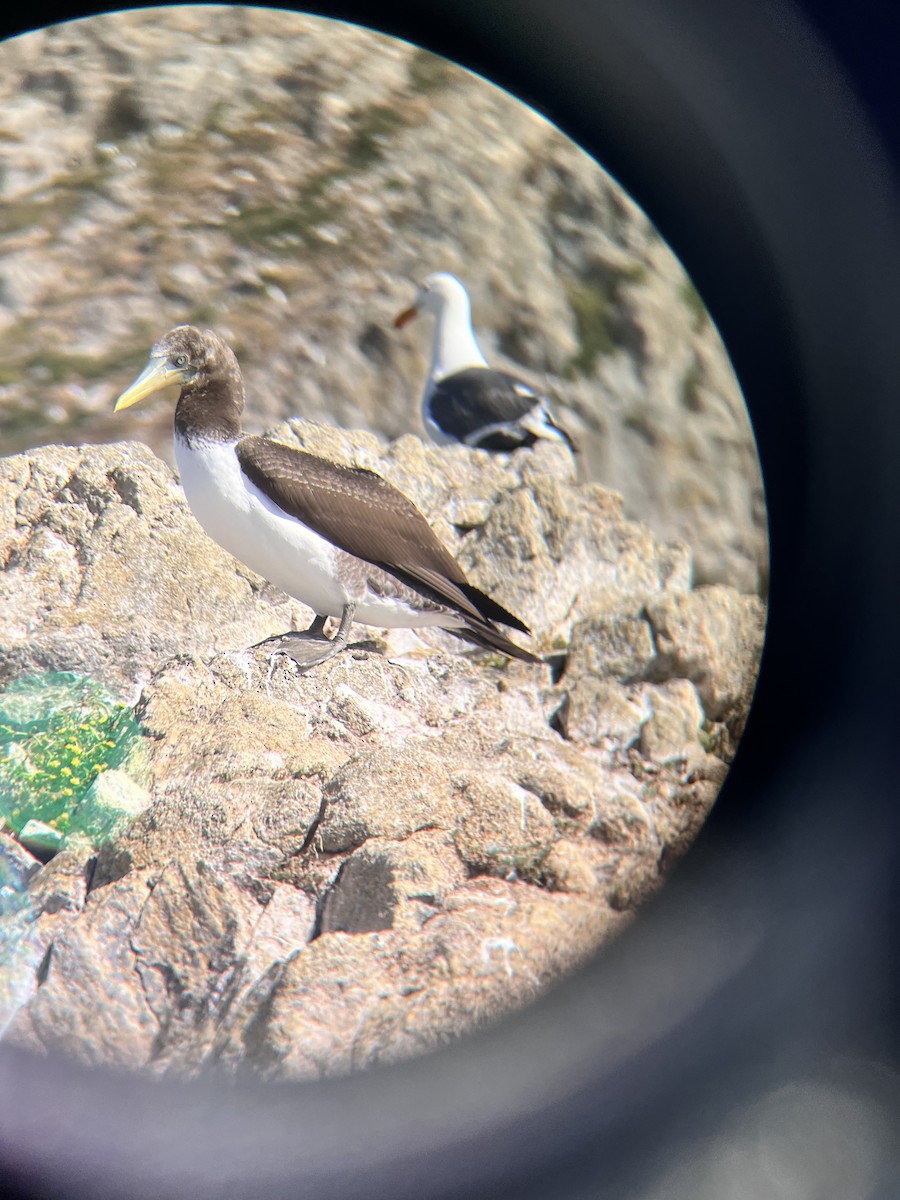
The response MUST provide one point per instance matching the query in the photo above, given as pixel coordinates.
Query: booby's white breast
(246, 523)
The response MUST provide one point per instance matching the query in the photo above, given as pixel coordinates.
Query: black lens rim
(732, 127)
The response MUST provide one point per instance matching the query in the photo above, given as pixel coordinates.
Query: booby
(340, 539)
(465, 399)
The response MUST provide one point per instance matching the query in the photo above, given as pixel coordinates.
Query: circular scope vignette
(513, 525)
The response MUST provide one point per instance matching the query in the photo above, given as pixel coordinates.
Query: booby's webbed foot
(317, 627)
(309, 647)
(314, 632)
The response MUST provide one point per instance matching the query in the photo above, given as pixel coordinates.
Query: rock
(385, 793)
(21, 954)
(357, 863)
(351, 1001)
(673, 725)
(709, 638)
(599, 712)
(570, 868)
(618, 645)
(85, 536)
(40, 839)
(384, 884)
(16, 866)
(550, 550)
(112, 800)
(91, 1003)
(20, 951)
(626, 816)
(563, 781)
(561, 558)
(713, 637)
(503, 829)
(188, 944)
(30, 918)
(634, 880)
(123, 116)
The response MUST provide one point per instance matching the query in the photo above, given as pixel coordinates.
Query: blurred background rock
(284, 179)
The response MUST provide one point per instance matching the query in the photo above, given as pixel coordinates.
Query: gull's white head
(437, 292)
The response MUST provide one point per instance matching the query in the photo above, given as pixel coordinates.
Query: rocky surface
(282, 179)
(354, 864)
(86, 535)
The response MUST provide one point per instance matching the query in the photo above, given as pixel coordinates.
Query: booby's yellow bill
(159, 375)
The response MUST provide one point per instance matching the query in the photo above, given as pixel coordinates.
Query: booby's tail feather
(493, 639)
(490, 609)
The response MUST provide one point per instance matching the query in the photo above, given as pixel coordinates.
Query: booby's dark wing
(360, 512)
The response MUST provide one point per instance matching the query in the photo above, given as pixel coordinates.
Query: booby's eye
(181, 360)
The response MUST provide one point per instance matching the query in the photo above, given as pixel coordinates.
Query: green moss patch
(58, 734)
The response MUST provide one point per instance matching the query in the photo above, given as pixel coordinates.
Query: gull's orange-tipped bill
(404, 318)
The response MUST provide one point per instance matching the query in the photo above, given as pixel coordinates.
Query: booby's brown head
(200, 370)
